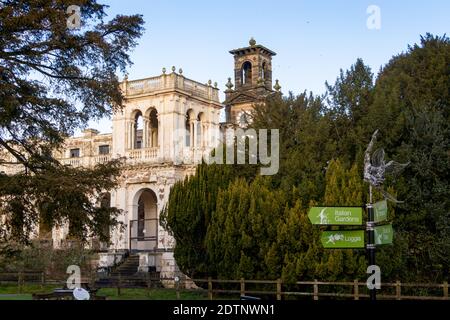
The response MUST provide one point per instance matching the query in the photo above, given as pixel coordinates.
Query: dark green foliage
(259, 226)
(37, 258)
(191, 204)
(304, 145)
(243, 228)
(54, 80)
(411, 107)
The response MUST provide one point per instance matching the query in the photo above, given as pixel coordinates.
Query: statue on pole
(376, 169)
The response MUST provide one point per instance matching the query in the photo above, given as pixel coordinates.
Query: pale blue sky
(313, 39)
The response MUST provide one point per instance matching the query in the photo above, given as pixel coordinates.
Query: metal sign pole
(371, 239)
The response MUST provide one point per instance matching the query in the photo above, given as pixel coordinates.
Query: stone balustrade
(171, 81)
(143, 155)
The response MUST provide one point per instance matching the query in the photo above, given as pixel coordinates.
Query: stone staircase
(127, 268)
(126, 275)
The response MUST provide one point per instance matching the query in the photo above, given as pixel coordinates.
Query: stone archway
(144, 226)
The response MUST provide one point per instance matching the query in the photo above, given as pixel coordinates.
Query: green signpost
(336, 215)
(384, 234)
(343, 239)
(381, 210)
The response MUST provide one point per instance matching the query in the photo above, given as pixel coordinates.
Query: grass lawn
(152, 294)
(12, 289)
(16, 297)
(11, 292)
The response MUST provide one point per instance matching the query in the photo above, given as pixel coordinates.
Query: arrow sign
(336, 216)
(343, 239)
(380, 209)
(384, 234)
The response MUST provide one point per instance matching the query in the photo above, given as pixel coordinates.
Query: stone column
(130, 134)
(193, 132)
(160, 136)
(145, 133)
(132, 215)
(133, 135)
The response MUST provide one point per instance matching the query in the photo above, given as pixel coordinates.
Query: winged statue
(376, 168)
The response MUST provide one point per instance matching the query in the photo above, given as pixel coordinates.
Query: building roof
(253, 47)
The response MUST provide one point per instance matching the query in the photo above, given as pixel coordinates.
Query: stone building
(164, 117)
(253, 82)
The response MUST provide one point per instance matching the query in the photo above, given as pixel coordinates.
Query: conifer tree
(187, 215)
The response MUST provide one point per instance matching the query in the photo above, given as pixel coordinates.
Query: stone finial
(126, 77)
(173, 68)
(229, 85)
(277, 86)
(180, 71)
(252, 42)
(164, 70)
(215, 84)
(209, 82)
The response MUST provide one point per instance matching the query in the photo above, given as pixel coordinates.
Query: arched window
(264, 71)
(189, 126)
(153, 129)
(188, 131)
(147, 216)
(200, 129)
(246, 73)
(138, 130)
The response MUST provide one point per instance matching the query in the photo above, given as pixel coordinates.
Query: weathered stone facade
(143, 133)
(161, 132)
(253, 81)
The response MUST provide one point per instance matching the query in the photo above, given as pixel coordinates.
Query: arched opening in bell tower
(246, 75)
(264, 71)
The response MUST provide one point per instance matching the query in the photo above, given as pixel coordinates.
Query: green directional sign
(384, 234)
(380, 209)
(343, 239)
(336, 215)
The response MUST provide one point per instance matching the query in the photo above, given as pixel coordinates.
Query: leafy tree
(349, 99)
(305, 144)
(54, 80)
(411, 107)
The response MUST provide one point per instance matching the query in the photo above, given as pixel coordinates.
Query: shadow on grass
(152, 294)
(12, 292)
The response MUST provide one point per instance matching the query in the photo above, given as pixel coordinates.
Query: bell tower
(253, 81)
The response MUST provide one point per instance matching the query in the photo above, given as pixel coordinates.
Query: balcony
(102, 158)
(168, 82)
(143, 155)
(86, 161)
(73, 162)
